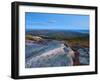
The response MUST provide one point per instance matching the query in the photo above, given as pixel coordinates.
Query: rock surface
(49, 54)
(40, 52)
(84, 56)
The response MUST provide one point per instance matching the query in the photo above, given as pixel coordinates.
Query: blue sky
(56, 21)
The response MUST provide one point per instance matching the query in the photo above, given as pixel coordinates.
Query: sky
(56, 21)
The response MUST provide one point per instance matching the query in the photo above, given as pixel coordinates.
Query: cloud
(43, 23)
(38, 23)
(52, 21)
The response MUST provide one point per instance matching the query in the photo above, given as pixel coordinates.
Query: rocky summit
(41, 52)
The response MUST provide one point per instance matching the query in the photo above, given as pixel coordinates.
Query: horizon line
(56, 29)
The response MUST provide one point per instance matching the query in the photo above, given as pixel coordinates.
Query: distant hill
(58, 34)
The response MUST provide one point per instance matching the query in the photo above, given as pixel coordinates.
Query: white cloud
(43, 23)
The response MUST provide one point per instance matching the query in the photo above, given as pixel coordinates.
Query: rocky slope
(51, 54)
(41, 52)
